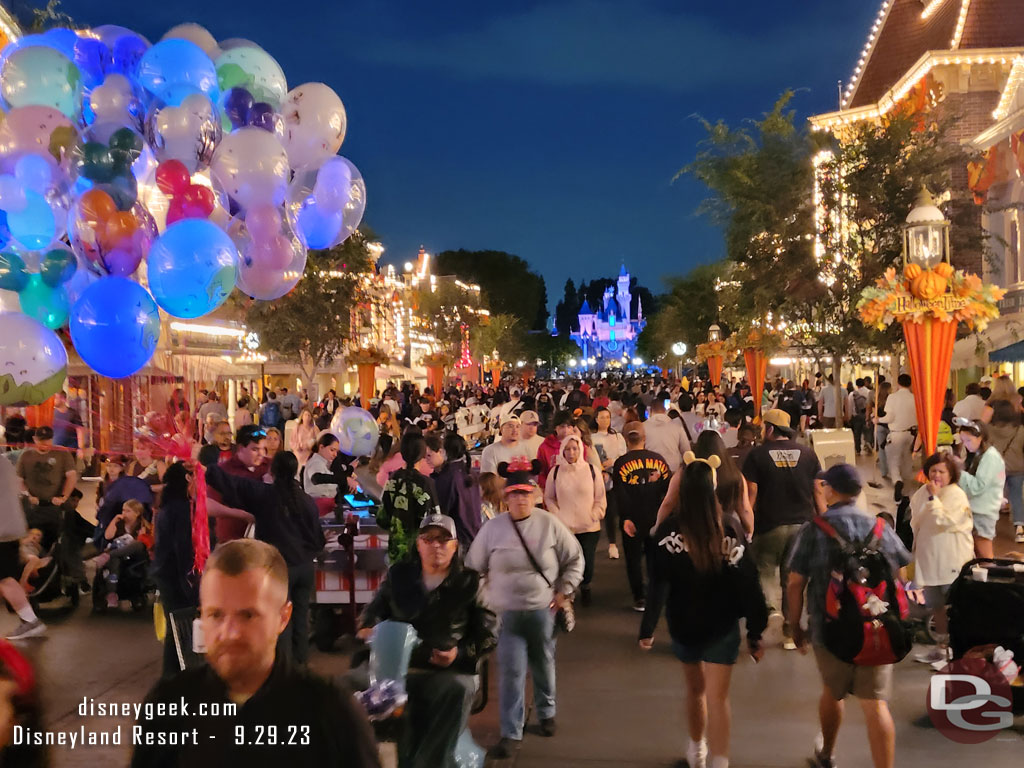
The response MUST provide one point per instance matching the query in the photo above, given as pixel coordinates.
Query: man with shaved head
(267, 712)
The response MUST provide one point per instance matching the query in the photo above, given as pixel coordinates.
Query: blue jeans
(1015, 493)
(881, 435)
(526, 640)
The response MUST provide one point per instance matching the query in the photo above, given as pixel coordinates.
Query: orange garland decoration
(930, 349)
(757, 367)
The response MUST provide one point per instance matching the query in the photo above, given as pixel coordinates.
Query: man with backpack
(858, 404)
(849, 563)
(271, 415)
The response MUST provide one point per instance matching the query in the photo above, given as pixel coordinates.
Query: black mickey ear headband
(714, 462)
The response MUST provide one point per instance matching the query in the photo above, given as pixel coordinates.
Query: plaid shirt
(812, 551)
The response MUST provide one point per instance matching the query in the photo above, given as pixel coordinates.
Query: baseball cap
(529, 417)
(509, 418)
(843, 478)
(633, 428)
(437, 520)
(985, 380)
(778, 419)
(44, 433)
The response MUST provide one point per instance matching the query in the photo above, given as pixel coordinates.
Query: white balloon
(113, 101)
(189, 132)
(314, 124)
(198, 34)
(251, 166)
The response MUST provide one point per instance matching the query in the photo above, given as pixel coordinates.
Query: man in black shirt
(245, 706)
(639, 481)
(780, 474)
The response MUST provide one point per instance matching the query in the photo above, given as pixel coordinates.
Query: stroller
(49, 584)
(986, 607)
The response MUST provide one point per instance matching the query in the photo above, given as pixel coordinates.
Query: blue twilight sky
(548, 129)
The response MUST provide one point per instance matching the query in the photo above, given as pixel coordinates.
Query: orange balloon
(120, 227)
(96, 206)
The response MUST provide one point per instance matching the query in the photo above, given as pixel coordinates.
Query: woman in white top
(574, 493)
(609, 446)
(317, 474)
(940, 516)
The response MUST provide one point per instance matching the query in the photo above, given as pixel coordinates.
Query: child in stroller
(30, 551)
(122, 567)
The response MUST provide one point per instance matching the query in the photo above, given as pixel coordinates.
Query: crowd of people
(494, 501)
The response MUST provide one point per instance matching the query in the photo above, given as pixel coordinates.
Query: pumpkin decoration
(943, 269)
(912, 271)
(929, 284)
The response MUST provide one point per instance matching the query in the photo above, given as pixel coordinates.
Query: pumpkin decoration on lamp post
(712, 353)
(757, 343)
(929, 302)
(366, 360)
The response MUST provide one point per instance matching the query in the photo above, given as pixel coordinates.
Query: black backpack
(866, 607)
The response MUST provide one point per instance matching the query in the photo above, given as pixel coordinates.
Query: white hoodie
(574, 493)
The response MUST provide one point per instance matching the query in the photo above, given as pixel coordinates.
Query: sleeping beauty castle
(608, 334)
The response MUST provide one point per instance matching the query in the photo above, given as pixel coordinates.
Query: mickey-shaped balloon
(41, 293)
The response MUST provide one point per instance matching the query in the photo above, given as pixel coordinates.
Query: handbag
(565, 617)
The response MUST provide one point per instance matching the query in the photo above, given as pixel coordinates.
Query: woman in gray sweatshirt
(525, 589)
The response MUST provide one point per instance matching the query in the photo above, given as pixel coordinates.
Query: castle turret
(622, 295)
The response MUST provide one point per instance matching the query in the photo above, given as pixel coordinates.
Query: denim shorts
(935, 596)
(724, 649)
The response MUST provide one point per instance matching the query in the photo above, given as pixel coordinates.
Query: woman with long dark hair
(173, 557)
(457, 492)
(712, 582)
(286, 518)
(732, 486)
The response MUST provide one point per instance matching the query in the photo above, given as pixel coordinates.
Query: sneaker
(84, 587)
(28, 629)
(821, 761)
(547, 726)
(696, 754)
(788, 644)
(613, 552)
(503, 749)
(1018, 535)
(639, 606)
(932, 656)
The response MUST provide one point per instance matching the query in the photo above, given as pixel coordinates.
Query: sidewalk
(618, 706)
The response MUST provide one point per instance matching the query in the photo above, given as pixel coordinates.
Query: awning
(399, 372)
(976, 349)
(1012, 353)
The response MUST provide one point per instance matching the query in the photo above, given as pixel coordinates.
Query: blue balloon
(173, 69)
(192, 268)
(13, 274)
(317, 227)
(115, 326)
(47, 305)
(35, 227)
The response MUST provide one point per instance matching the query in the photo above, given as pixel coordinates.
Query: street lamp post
(715, 360)
(679, 349)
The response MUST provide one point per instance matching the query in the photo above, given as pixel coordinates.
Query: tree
(310, 325)
(450, 307)
(508, 284)
(684, 313)
(502, 333)
(567, 310)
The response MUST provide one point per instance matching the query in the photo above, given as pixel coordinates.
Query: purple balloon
(237, 104)
(262, 115)
(122, 262)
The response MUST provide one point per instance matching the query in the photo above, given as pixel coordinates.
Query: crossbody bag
(565, 617)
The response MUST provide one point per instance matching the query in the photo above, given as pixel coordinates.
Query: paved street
(617, 705)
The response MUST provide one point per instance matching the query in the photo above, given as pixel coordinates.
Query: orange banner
(930, 349)
(757, 367)
(435, 378)
(367, 384)
(715, 369)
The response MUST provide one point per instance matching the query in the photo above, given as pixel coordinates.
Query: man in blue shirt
(810, 567)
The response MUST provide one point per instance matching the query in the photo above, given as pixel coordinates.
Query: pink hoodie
(575, 492)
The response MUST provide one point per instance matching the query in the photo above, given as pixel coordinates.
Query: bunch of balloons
(190, 155)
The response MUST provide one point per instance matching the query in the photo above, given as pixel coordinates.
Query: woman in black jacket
(712, 582)
(173, 557)
(286, 518)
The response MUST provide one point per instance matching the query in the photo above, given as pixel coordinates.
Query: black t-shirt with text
(640, 481)
(784, 471)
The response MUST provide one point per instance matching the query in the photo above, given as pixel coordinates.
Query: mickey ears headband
(714, 462)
